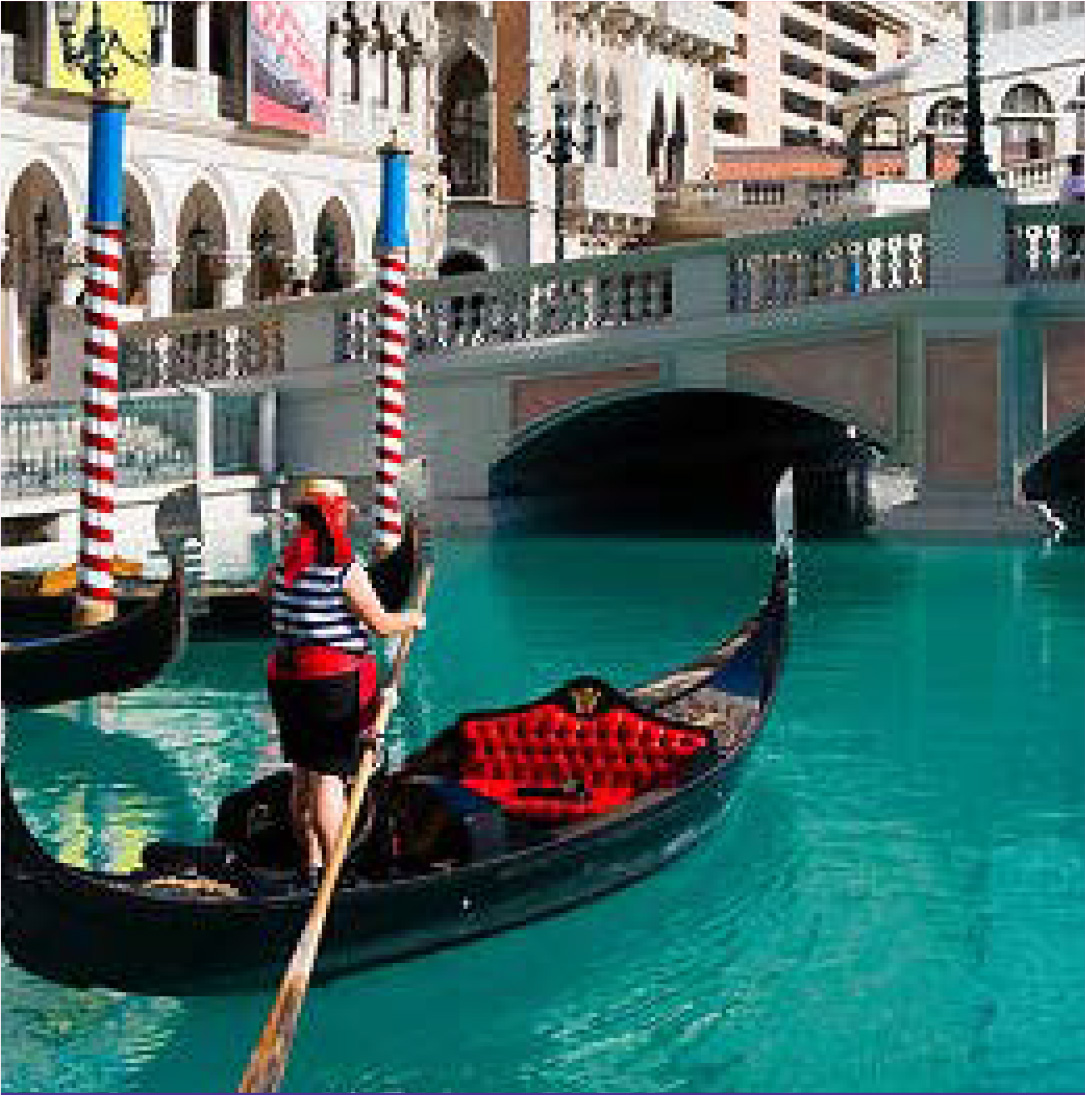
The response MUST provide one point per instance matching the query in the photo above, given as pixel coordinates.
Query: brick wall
(1064, 360)
(962, 412)
(534, 398)
(857, 376)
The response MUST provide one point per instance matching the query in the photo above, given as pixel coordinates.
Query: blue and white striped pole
(95, 596)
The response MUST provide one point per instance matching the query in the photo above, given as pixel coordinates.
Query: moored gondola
(222, 610)
(505, 817)
(57, 663)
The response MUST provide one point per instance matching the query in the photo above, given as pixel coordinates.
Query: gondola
(220, 609)
(507, 816)
(66, 664)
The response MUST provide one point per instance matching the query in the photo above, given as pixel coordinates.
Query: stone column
(967, 450)
(300, 269)
(161, 262)
(203, 37)
(232, 268)
(72, 272)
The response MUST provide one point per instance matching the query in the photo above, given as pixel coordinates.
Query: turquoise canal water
(894, 901)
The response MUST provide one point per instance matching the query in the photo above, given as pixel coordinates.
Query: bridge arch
(639, 456)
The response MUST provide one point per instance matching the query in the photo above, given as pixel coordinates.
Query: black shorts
(321, 720)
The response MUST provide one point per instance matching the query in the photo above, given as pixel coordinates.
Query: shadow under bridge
(684, 462)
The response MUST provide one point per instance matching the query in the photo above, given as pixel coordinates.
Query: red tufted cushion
(615, 755)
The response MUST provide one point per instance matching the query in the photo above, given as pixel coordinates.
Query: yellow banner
(131, 23)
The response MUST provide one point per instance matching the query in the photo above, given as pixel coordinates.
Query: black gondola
(125, 653)
(505, 817)
(220, 609)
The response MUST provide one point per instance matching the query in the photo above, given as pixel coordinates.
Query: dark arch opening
(687, 462)
(460, 262)
(1058, 478)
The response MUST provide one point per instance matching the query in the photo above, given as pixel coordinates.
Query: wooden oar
(268, 1061)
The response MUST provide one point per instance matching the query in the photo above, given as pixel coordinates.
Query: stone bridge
(953, 340)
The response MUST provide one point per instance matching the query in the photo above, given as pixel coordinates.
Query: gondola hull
(221, 610)
(117, 656)
(84, 928)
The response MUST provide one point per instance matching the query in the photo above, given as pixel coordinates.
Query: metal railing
(40, 443)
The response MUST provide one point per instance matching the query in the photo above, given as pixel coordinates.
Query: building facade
(793, 62)
(637, 81)
(219, 211)
(1032, 99)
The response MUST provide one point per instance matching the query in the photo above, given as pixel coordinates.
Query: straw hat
(318, 486)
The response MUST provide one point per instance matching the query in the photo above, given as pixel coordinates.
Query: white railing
(1035, 175)
(636, 289)
(598, 189)
(514, 305)
(785, 269)
(203, 347)
(1045, 243)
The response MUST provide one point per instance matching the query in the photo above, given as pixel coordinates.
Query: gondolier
(322, 676)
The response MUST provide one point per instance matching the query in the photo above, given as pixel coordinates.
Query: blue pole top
(105, 197)
(392, 233)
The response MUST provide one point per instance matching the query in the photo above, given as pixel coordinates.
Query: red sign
(287, 73)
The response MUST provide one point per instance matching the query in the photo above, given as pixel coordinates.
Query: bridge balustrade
(801, 266)
(514, 305)
(203, 347)
(1045, 243)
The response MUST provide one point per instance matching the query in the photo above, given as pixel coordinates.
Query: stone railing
(203, 348)
(1044, 176)
(254, 345)
(513, 305)
(784, 269)
(1045, 243)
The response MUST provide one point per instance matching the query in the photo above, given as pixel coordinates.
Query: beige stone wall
(962, 412)
(1064, 361)
(855, 376)
(534, 398)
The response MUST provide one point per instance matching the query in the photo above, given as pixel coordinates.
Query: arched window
(946, 117)
(656, 134)
(612, 120)
(589, 114)
(464, 128)
(676, 147)
(1027, 124)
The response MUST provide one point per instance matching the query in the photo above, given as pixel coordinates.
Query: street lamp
(559, 144)
(95, 601)
(974, 170)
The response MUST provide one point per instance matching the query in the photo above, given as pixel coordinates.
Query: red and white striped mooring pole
(95, 601)
(392, 240)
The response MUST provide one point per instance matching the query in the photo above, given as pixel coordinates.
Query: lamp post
(974, 169)
(95, 601)
(560, 145)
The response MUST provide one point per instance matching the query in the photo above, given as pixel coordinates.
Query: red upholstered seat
(614, 756)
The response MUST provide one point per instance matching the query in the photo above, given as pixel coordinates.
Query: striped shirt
(313, 611)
